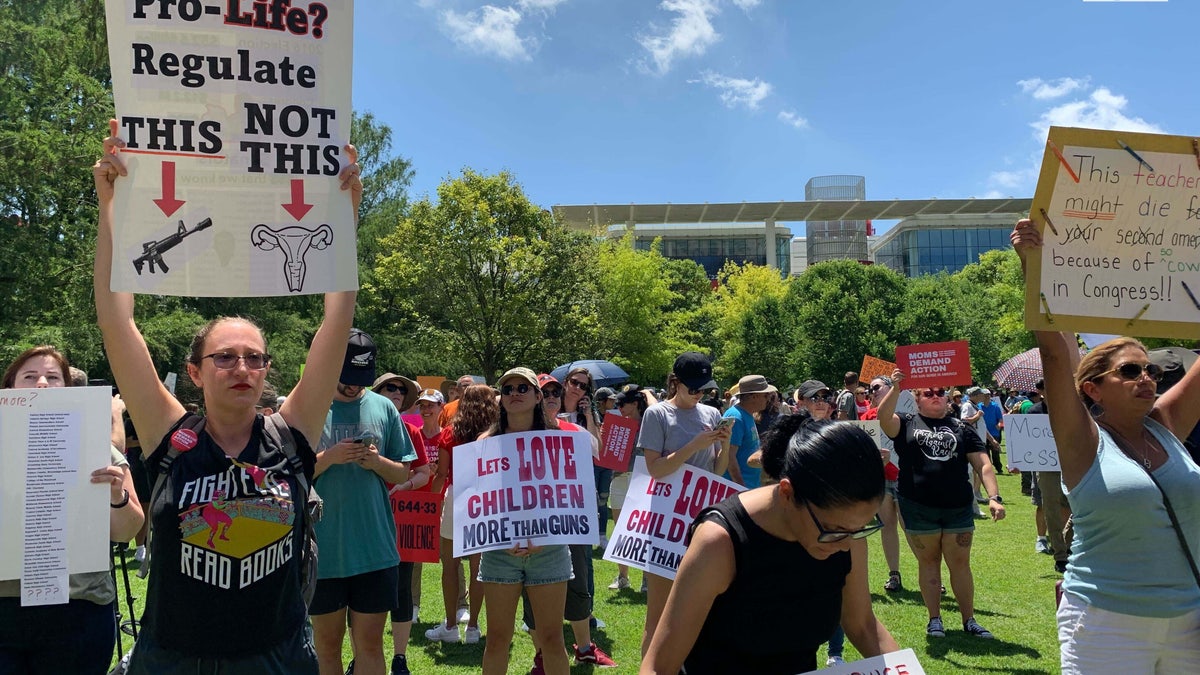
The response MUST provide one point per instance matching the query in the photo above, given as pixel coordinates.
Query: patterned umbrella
(1021, 371)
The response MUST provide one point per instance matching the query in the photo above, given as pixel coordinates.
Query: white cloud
(790, 117)
(691, 33)
(747, 5)
(539, 5)
(735, 91)
(489, 30)
(1043, 90)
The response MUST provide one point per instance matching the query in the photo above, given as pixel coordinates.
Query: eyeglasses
(552, 393)
(697, 392)
(877, 387)
(227, 361)
(582, 386)
(393, 388)
(1134, 371)
(934, 393)
(522, 388)
(830, 536)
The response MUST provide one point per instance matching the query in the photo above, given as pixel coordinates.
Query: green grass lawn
(1014, 598)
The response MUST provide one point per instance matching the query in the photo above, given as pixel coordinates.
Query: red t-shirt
(890, 471)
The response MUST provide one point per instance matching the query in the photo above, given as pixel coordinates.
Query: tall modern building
(942, 243)
(836, 239)
(712, 245)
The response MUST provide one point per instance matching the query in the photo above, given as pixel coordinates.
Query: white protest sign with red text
(234, 114)
(937, 364)
(657, 514)
(903, 662)
(535, 486)
(618, 437)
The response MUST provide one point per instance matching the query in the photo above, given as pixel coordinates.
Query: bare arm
(118, 424)
(660, 466)
(1179, 408)
(706, 571)
(889, 423)
(441, 474)
(987, 475)
(866, 632)
(123, 522)
(735, 471)
(152, 408)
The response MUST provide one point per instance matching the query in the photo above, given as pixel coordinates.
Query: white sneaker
(471, 636)
(599, 623)
(1042, 545)
(139, 555)
(442, 633)
(833, 661)
(416, 611)
(463, 614)
(620, 583)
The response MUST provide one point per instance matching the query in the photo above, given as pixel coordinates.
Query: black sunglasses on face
(578, 385)
(552, 393)
(697, 392)
(827, 398)
(934, 393)
(876, 387)
(228, 361)
(1132, 371)
(830, 536)
(522, 388)
(393, 388)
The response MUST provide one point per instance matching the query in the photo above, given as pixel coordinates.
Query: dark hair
(477, 411)
(540, 422)
(196, 351)
(850, 378)
(829, 464)
(10, 375)
(633, 396)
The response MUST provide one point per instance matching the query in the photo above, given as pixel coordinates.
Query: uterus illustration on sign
(294, 242)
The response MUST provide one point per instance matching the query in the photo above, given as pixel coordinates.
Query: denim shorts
(889, 487)
(921, 519)
(550, 565)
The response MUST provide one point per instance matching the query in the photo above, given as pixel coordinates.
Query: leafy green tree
(487, 277)
(929, 314)
(990, 297)
(739, 289)
(634, 294)
(763, 340)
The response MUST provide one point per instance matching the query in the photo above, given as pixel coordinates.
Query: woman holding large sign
(1131, 592)
(793, 549)
(675, 432)
(228, 517)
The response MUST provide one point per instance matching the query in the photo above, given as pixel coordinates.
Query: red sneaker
(594, 656)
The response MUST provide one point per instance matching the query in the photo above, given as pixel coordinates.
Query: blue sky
(618, 101)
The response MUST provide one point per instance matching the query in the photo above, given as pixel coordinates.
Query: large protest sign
(53, 519)
(513, 489)
(872, 368)
(1119, 214)
(1030, 443)
(903, 662)
(657, 514)
(418, 524)
(937, 364)
(618, 437)
(235, 114)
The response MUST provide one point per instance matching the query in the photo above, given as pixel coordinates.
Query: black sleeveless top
(773, 578)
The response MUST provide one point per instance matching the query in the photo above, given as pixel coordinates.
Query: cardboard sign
(872, 368)
(903, 662)
(1030, 443)
(657, 514)
(1119, 214)
(872, 429)
(534, 487)
(418, 524)
(235, 115)
(937, 364)
(618, 438)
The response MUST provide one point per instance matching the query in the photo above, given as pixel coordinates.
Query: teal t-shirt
(745, 437)
(356, 534)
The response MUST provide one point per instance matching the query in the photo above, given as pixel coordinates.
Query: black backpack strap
(190, 421)
(280, 435)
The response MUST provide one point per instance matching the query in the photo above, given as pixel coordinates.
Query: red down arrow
(168, 204)
(297, 207)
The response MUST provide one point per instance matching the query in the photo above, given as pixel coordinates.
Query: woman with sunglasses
(1131, 591)
(675, 432)
(204, 609)
(936, 498)
(794, 549)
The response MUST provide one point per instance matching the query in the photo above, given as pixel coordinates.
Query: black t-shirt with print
(226, 548)
(933, 460)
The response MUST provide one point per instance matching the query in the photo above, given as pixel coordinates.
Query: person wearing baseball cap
(754, 392)
(675, 432)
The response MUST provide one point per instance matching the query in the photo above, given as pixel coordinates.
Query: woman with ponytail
(794, 549)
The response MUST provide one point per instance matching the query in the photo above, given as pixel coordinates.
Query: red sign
(617, 438)
(418, 517)
(937, 364)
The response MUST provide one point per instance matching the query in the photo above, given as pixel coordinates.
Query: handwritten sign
(53, 519)
(872, 429)
(937, 364)
(1030, 443)
(872, 368)
(619, 436)
(535, 486)
(418, 524)
(235, 115)
(903, 662)
(657, 514)
(1120, 219)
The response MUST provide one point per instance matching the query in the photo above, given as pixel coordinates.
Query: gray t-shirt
(667, 428)
(94, 587)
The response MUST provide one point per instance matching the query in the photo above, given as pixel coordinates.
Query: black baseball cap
(694, 370)
(358, 369)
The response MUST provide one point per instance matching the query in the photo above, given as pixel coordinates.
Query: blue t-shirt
(357, 533)
(745, 438)
(992, 416)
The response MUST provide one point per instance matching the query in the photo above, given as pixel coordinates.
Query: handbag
(1187, 552)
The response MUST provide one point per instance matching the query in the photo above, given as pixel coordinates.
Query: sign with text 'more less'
(235, 114)
(1119, 214)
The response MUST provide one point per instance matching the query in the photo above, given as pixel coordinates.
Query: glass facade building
(918, 246)
(714, 245)
(836, 239)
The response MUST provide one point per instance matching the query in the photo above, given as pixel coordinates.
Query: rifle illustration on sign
(295, 243)
(152, 250)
